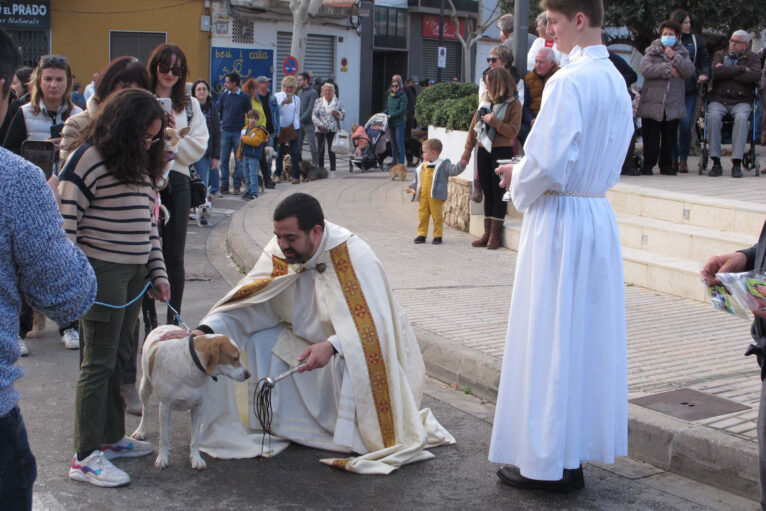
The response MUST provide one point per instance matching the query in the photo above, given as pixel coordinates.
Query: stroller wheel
(638, 161)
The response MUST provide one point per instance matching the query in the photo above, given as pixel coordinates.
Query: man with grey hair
(736, 72)
(505, 24)
(534, 83)
(544, 41)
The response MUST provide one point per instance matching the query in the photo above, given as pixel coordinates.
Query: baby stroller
(375, 138)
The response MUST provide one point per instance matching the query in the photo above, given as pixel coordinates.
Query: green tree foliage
(448, 105)
(713, 18)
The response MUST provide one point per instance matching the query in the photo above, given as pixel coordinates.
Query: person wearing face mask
(665, 68)
(736, 71)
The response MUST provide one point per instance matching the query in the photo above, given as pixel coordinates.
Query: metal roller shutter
(320, 56)
(430, 48)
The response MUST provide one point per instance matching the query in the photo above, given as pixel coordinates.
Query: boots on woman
(482, 242)
(495, 234)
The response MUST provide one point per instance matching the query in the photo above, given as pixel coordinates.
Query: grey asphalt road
(459, 477)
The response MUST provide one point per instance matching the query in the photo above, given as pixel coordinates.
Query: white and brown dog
(177, 370)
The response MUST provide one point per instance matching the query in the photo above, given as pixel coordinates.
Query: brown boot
(495, 234)
(482, 242)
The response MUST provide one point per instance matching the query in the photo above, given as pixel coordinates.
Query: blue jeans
(203, 169)
(229, 143)
(251, 172)
(681, 150)
(397, 143)
(18, 469)
(214, 181)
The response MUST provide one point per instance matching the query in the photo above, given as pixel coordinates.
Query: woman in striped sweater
(107, 202)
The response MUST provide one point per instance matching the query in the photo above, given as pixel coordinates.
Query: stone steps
(667, 236)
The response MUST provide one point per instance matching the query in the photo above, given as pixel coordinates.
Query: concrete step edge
(740, 239)
(736, 205)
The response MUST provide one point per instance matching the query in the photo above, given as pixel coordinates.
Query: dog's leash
(175, 312)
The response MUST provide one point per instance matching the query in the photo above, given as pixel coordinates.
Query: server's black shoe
(572, 480)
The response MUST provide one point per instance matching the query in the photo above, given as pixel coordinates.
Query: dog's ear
(210, 349)
(184, 131)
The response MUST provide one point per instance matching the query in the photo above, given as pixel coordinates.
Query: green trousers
(107, 342)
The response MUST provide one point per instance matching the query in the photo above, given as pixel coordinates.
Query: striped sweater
(110, 220)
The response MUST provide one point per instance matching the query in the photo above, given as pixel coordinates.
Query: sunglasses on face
(53, 59)
(151, 141)
(491, 60)
(394, 85)
(164, 68)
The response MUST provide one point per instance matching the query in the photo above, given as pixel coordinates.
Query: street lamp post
(520, 30)
(441, 40)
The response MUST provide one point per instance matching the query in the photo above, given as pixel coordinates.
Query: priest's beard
(300, 251)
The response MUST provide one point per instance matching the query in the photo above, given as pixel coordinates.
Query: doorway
(385, 64)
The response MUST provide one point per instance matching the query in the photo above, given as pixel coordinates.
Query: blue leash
(178, 316)
(127, 304)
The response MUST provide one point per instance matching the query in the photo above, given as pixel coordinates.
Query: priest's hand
(727, 263)
(316, 356)
(505, 172)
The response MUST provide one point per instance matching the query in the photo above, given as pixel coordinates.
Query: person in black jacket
(746, 260)
(629, 167)
(700, 57)
(207, 166)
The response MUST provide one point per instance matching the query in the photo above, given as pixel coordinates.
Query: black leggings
(322, 137)
(494, 207)
(177, 198)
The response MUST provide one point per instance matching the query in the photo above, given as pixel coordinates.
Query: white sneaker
(22, 346)
(98, 471)
(128, 447)
(71, 339)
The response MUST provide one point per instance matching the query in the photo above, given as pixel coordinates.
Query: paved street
(439, 288)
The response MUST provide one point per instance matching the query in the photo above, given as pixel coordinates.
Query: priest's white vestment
(563, 389)
(365, 401)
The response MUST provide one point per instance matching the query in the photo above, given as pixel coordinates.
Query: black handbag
(198, 190)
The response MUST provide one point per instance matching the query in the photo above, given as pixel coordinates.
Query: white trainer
(98, 471)
(71, 339)
(128, 447)
(22, 346)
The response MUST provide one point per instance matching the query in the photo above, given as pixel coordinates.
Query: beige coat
(663, 96)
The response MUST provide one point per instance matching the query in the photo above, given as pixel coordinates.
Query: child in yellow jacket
(250, 149)
(430, 188)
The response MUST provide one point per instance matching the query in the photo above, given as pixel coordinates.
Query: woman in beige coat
(665, 68)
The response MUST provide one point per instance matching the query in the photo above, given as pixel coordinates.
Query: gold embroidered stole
(249, 289)
(368, 335)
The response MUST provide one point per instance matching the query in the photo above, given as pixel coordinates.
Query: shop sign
(25, 15)
(431, 27)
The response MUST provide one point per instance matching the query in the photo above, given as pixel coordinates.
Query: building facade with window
(90, 33)
(406, 42)
(253, 38)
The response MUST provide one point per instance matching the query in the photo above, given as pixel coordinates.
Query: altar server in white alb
(320, 295)
(563, 390)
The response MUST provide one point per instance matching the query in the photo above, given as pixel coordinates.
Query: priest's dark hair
(305, 208)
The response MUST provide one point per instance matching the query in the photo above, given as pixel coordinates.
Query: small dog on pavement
(398, 170)
(311, 173)
(178, 380)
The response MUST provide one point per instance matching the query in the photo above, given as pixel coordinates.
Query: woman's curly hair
(118, 132)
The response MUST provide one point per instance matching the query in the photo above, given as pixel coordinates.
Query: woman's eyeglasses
(164, 68)
(492, 60)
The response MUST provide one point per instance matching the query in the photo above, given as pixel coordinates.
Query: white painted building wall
(265, 38)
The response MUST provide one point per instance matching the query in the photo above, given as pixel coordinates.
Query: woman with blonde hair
(327, 114)
(289, 124)
(495, 125)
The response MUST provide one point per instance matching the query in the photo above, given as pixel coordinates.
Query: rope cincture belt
(195, 358)
(576, 194)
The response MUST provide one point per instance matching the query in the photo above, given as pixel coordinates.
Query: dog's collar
(195, 358)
